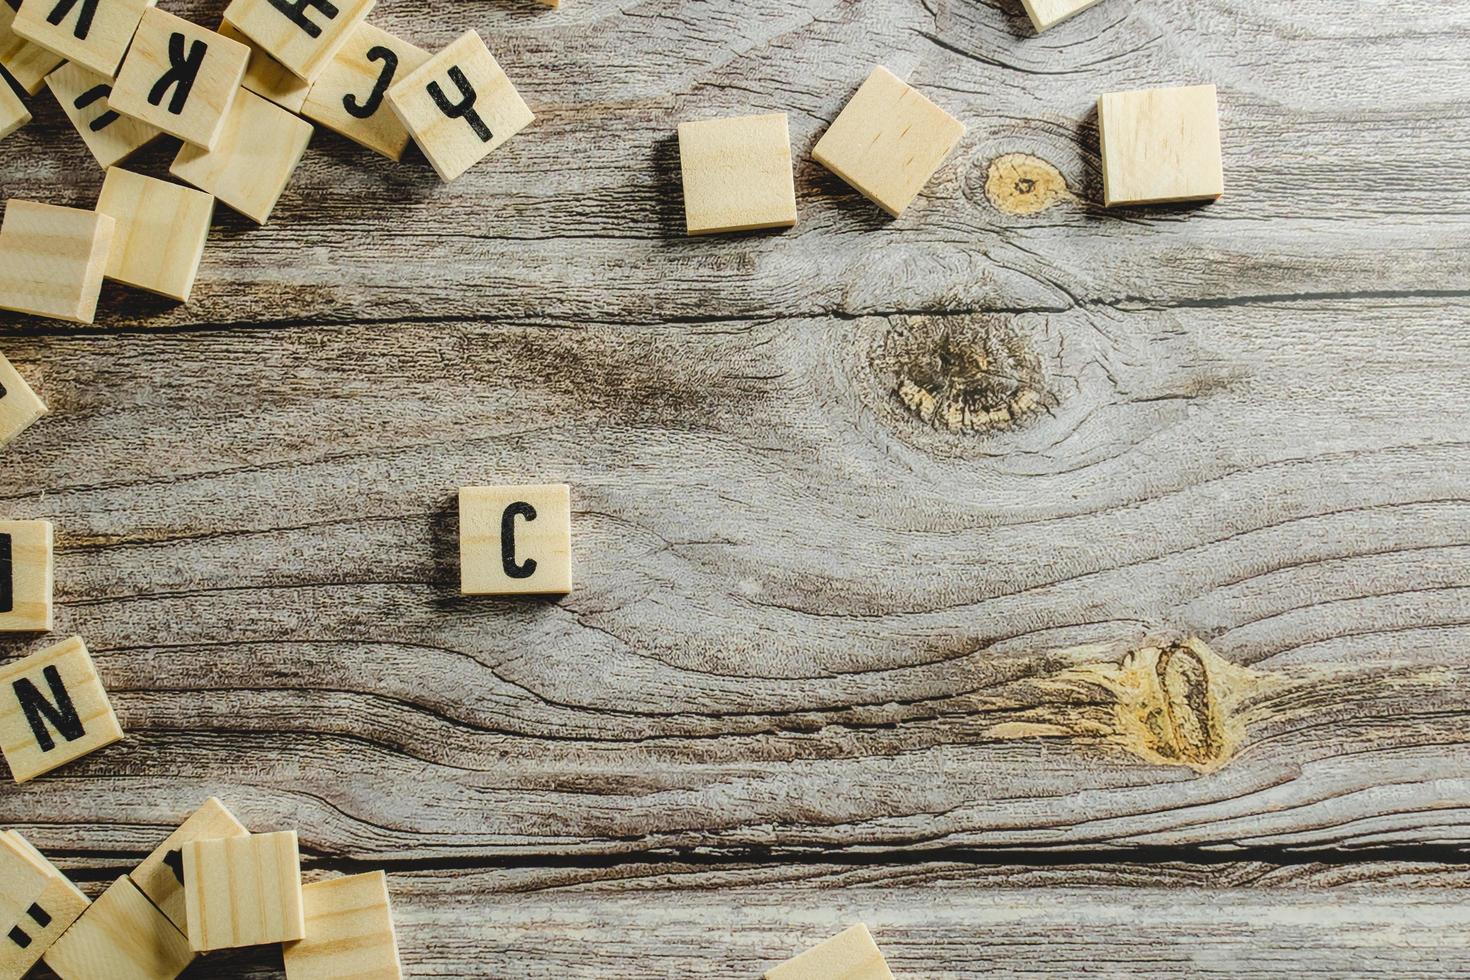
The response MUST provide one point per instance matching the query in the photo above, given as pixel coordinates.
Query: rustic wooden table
(875, 520)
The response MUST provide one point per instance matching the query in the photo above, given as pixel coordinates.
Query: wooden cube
(1046, 13)
(160, 235)
(53, 709)
(349, 932)
(90, 33)
(28, 63)
(19, 405)
(888, 141)
(13, 112)
(161, 875)
(737, 174)
(52, 259)
(180, 77)
(120, 937)
(459, 106)
(350, 96)
(303, 35)
(37, 905)
(267, 77)
(83, 94)
(515, 540)
(25, 576)
(1160, 145)
(849, 955)
(243, 891)
(256, 155)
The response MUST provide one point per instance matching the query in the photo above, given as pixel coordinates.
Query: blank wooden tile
(52, 260)
(120, 937)
(243, 891)
(459, 105)
(161, 875)
(53, 709)
(888, 141)
(849, 955)
(1045, 13)
(350, 97)
(349, 932)
(28, 63)
(191, 102)
(91, 34)
(19, 405)
(160, 233)
(25, 576)
(303, 35)
(1160, 145)
(737, 174)
(84, 94)
(254, 160)
(515, 540)
(37, 905)
(267, 77)
(13, 112)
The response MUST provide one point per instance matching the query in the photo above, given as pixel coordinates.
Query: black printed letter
(295, 11)
(62, 714)
(526, 568)
(363, 110)
(7, 577)
(465, 108)
(92, 95)
(84, 19)
(182, 72)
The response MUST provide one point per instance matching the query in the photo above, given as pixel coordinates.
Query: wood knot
(1021, 184)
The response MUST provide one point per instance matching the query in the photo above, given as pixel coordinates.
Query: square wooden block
(349, 932)
(90, 33)
(25, 576)
(737, 174)
(52, 259)
(253, 162)
(1046, 13)
(53, 709)
(459, 105)
(13, 112)
(1160, 145)
(121, 937)
(37, 905)
(161, 875)
(350, 97)
(84, 94)
(267, 77)
(515, 540)
(888, 141)
(303, 35)
(180, 77)
(28, 63)
(849, 955)
(19, 405)
(160, 235)
(243, 891)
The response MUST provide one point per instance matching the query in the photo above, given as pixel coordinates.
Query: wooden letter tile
(303, 35)
(1046, 13)
(350, 96)
(121, 937)
(459, 106)
(37, 905)
(267, 77)
(90, 33)
(849, 955)
(243, 891)
(515, 540)
(52, 259)
(28, 63)
(13, 112)
(53, 709)
(160, 234)
(19, 405)
(349, 932)
(888, 141)
(1160, 145)
(256, 155)
(25, 576)
(161, 875)
(737, 174)
(83, 94)
(180, 77)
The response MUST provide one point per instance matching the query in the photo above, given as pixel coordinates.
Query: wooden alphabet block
(303, 35)
(90, 33)
(1046, 13)
(1160, 145)
(25, 576)
(849, 955)
(515, 540)
(161, 875)
(349, 932)
(459, 106)
(28, 63)
(120, 937)
(888, 141)
(160, 233)
(349, 97)
(267, 77)
(19, 405)
(37, 905)
(256, 155)
(180, 77)
(737, 174)
(83, 94)
(53, 709)
(13, 112)
(52, 259)
(243, 891)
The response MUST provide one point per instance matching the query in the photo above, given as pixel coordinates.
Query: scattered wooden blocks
(25, 576)
(160, 232)
(37, 905)
(256, 155)
(515, 540)
(267, 77)
(737, 174)
(161, 875)
(51, 260)
(19, 405)
(1160, 145)
(303, 35)
(349, 97)
(53, 709)
(120, 937)
(90, 33)
(13, 112)
(83, 94)
(849, 955)
(1048, 13)
(459, 106)
(349, 932)
(243, 891)
(888, 141)
(28, 63)
(180, 77)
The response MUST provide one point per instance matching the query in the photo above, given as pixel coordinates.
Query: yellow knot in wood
(1021, 184)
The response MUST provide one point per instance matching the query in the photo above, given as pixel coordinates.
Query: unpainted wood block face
(13, 112)
(888, 141)
(53, 709)
(180, 77)
(28, 63)
(25, 576)
(849, 955)
(1046, 13)
(737, 174)
(19, 405)
(459, 106)
(37, 905)
(253, 162)
(243, 891)
(52, 260)
(349, 932)
(1160, 145)
(90, 33)
(84, 97)
(350, 97)
(515, 540)
(120, 937)
(267, 77)
(303, 35)
(160, 232)
(161, 875)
